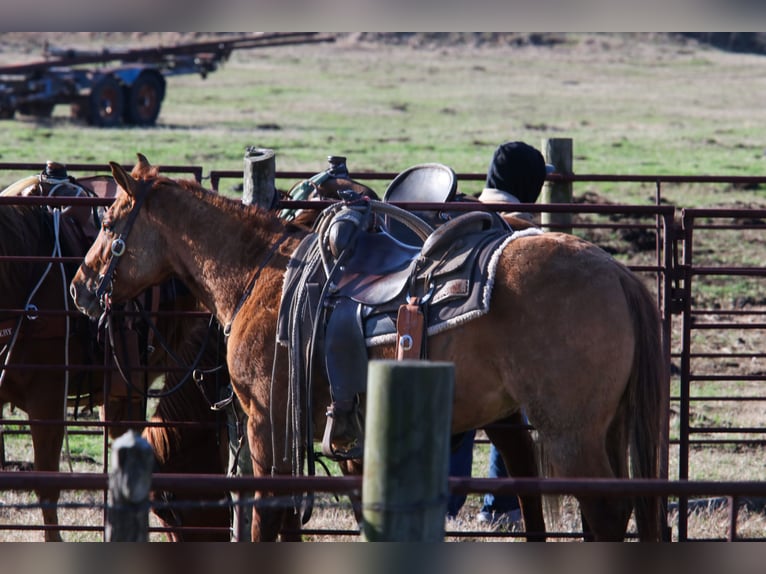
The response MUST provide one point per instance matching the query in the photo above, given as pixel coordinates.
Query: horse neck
(215, 245)
(23, 231)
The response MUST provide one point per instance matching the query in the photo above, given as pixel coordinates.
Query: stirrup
(355, 448)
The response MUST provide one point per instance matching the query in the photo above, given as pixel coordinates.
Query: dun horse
(54, 340)
(570, 335)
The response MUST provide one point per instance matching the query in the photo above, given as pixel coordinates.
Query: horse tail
(645, 394)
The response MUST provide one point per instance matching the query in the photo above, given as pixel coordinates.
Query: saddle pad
(447, 311)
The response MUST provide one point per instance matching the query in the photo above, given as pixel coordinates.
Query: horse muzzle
(84, 298)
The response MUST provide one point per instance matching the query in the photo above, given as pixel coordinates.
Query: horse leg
(46, 443)
(518, 450)
(605, 518)
(616, 447)
(353, 468)
(2, 438)
(238, 463)
(291, 526)
(269, 514)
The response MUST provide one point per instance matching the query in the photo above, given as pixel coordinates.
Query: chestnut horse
(51, 341)
(509, 435)
(571, 336)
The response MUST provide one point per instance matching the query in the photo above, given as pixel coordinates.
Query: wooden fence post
(130, 481)
(558, 152)
(406, 452)
(258, 186)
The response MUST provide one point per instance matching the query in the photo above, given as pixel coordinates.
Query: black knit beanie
(517, 168)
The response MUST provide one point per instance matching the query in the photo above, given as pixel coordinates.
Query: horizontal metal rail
(681, 274)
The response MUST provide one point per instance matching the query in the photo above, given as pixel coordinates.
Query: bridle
(104, 288)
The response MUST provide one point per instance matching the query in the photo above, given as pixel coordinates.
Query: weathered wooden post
(130, 481)
(406, 451)
(558, 152)
(258, 186)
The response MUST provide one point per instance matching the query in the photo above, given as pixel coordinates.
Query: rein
(192, 371)
(118, 249)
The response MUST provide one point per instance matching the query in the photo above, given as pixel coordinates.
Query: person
(516, 174)
(498, 509)
(495, 509)
(460, 463)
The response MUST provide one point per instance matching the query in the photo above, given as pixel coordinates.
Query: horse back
(558, 336)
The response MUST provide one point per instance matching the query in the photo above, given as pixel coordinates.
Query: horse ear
(123, 179)
(142, 168)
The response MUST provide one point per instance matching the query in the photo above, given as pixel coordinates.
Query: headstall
(119, 246)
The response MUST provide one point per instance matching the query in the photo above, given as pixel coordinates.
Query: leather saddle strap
(345, 352)
(409, 330)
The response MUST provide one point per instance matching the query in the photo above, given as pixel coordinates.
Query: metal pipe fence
(709, 345)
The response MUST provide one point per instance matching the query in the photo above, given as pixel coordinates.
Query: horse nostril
(73, 292)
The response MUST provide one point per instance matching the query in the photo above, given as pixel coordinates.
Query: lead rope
(57, 212)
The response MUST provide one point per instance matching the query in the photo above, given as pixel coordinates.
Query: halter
(118, 246)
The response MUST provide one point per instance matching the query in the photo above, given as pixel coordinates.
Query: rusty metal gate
(717, 366)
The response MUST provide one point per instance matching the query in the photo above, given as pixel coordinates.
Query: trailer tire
(37, 109)
(144, 99)
(106, 103)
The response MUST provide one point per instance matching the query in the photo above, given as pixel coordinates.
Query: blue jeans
(460, 464)
(498, 504)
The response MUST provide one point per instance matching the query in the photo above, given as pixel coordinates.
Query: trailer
(109, 88)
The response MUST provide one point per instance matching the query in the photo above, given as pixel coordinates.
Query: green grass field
(632, 105)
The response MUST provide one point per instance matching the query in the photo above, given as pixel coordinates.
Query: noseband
(119, 245)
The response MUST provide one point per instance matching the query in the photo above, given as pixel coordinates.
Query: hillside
(26, 45)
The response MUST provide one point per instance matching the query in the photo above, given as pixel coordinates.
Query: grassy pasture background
(633, 104)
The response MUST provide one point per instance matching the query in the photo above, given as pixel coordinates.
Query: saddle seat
(422, 183)
(381, 266)
(427, 182)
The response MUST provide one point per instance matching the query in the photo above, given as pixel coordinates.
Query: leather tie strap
(409, 330)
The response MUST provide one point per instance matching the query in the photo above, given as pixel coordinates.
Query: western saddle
(371, 273)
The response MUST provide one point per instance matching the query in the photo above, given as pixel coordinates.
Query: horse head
(126, 256)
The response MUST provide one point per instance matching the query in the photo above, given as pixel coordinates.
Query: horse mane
(24, 230)
(265, 219)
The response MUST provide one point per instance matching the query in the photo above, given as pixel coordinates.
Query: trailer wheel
(144, 99)
(37, 109)
(106, 103)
